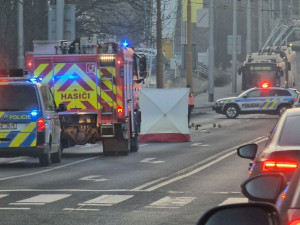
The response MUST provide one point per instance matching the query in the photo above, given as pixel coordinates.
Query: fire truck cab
(99, 84)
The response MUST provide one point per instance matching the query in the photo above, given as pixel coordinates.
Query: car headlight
(219, 102)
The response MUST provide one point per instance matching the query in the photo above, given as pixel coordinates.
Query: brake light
(295, 222)
(41, 125)
(265, 85)
(279, 165)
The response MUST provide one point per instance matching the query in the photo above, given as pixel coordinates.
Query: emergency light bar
(107, 60)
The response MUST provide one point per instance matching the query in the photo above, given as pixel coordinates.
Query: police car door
(51, 118)
(251, 101)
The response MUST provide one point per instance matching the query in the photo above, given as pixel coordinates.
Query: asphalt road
(163, 183)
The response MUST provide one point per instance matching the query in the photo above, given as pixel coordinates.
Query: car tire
(282, 108)
(231, 111)
(134, 144)
(56, 156)
(45, 159)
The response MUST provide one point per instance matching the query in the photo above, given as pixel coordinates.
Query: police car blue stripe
(11, 136)
(28, 141)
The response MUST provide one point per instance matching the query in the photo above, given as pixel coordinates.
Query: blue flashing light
(33, 80)
(69, 77)
(34, 113)
(125, 44)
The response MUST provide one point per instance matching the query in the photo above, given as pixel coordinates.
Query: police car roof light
(265, 85)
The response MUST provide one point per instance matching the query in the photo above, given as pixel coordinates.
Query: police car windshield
(18, 98)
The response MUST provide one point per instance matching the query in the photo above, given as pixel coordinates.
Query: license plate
(8, 126)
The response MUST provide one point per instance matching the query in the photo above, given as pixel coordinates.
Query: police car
(264, 100)
(29, 122)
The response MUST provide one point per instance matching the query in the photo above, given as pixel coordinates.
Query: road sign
(230, 44)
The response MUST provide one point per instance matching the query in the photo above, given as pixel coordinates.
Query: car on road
(29, 122)
(257, 100)
(282, 150)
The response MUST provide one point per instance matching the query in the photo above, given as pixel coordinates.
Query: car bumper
(22, 151)
(217, 108)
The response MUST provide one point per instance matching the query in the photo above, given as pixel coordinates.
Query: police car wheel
(231, 111)
(45, 159)
(56, 156)
(281, 109)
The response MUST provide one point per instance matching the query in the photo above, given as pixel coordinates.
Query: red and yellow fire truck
(99, 84)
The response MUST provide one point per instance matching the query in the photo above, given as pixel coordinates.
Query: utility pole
(211, 52)
(189, 58)
(248, 41)
(159, 63)
(260, 24)
(20, 36)
(280, 8)
(234, 52)
(60, 19)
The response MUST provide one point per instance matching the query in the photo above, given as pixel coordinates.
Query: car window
(18, 98)
(254, 93)
(47, 99)
(290, 133)
(283, 93)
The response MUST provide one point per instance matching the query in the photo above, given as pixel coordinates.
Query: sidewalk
(201, 100)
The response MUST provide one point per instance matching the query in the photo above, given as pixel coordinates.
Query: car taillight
(41, 125)
(295, 222)
(269, 165)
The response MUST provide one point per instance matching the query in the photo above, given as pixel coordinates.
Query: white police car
(29, 122)
(264, 100)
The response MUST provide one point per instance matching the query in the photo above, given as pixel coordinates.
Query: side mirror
(143, 67)
(62, 107)
(241, 214)
(247, 151)
(265, 187)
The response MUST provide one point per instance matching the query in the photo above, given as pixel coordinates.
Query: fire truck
(274, 65)
(99, 83)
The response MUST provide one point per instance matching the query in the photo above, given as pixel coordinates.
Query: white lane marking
(106, 200)
(191, 172)
(227, 192)
(151, 160)
(2, 196)
(171, 202)
(10, 208)
(48, 170)
(95, 178)
(143, 145)
(41, 199)
(65, 190)
(196, 144)
(17, 161)
(234, 201)
(80, 209)
(187, 174)
(199, 144)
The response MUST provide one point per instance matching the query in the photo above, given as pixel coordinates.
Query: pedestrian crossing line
(79, 209)
(106, 200)
(41, 199)
(171, 202)
(10, 208)
(234, 201)
(3, 195)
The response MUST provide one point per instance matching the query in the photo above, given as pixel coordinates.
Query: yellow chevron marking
(19, 139)
(109, 84)
(30, 127)
(272, 106)
(1, 114)
(266, 105)
(40, 69)
(33, 143)
(106, 97)
(4, 134)
(119, 91)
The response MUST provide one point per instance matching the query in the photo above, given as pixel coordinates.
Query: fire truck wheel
(134, 145)
(45, 159)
